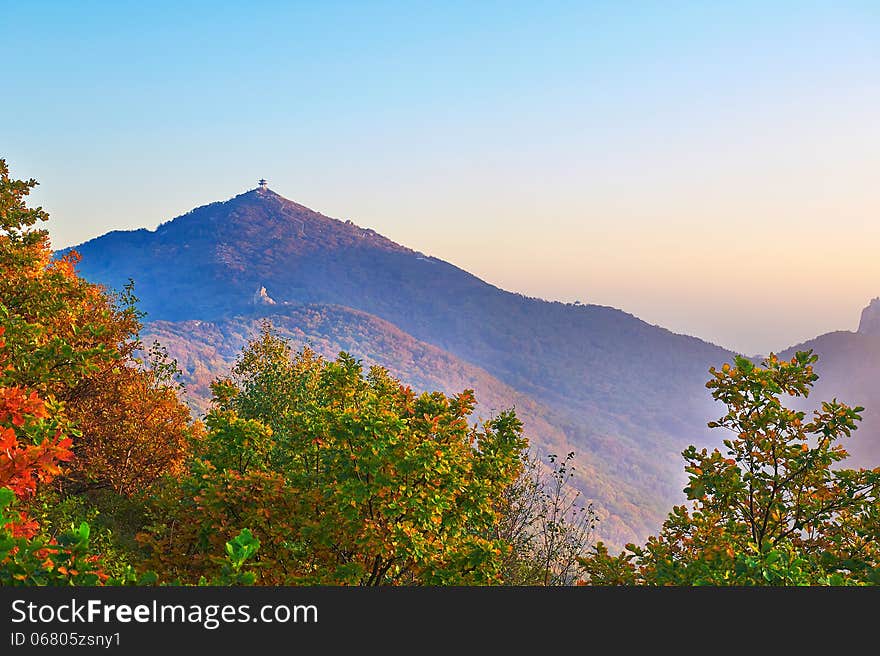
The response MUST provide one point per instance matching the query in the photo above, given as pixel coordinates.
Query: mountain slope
(849, 370)
(615, 384)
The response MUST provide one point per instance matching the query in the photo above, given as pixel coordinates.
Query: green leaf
(7, 496)
(148, 578)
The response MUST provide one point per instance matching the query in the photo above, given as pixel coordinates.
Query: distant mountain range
(625, 395)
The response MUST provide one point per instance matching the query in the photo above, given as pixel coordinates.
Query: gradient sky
(714, 170)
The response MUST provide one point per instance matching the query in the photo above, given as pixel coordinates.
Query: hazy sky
(715, 170)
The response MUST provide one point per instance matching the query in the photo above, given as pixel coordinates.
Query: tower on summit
(261, 185)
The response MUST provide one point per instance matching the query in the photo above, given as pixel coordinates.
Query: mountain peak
(263, 218)
(258, 194)
(870, 320)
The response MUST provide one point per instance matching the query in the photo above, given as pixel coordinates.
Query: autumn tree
(773, 507)
(345, 476)
(75, 344)
(96, 417)
(134, 427)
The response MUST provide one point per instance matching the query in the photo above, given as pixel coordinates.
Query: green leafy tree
(772, 509)
(344, 476)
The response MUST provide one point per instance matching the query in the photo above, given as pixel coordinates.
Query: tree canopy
(345, 476)
(772, 508)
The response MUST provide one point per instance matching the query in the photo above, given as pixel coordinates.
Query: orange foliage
(134, 431)
(29, 450)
